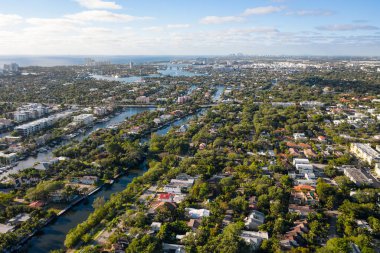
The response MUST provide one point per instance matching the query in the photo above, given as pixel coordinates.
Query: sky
(190, 27)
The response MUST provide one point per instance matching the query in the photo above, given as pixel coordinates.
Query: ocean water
(48, 61)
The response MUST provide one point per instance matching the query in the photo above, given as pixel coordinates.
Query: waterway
(171, 70)
(35, 161)
(53, 235)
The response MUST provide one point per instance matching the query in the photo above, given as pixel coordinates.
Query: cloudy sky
(189, 27)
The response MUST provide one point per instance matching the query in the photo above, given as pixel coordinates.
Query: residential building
(100, 111)
(5, 228)
(197, 213)
(365, 152)
(311, 104)
(356, 176)
(254, 220)
(18, 219)
(142, 100)
(83, 119)
(88, 180)
(300, 161)
(299, 136)
(304, 195)
(173, 248)
(183, 99)
(40, 124)
(253, 238)
(6, 159)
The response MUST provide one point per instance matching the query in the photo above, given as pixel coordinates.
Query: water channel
(53, 235)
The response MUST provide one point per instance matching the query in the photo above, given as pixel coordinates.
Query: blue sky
(187, 27)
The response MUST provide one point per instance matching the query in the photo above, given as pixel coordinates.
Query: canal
(52, 236)
(35, 161)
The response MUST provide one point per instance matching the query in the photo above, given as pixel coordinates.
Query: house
(303, 211)
(183, 129)
(254, 220)
(254, 239)
(304, 195)
(166, 197)
(202, 146)
(173, 248)
(83, 119)
(159, 205)
(179, 184)
(172, 188)
(88, 180)
(197, 213)
(300, 161)
(193, 224)
(309, 153)
(363, 225)
(7, 159)
(304, 168)
(299, 136)
(18, 219)
(5, 228)
(37, 204)
(293, 238)
(155, 226)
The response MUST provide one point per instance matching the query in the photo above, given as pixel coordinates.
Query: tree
(145, 244)
(98, 202)
(336, 245)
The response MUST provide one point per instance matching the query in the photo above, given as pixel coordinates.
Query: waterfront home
(7, 158)
(5, 228)
(18, 219)
(88, 180)
(37, 204)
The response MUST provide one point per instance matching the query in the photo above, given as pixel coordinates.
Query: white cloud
(175, 26)
(10, 19)
(98, 4)
(262, 10)
(153, 29)
(347, 27)
(220, 19)
(310, 13)
(104, 16)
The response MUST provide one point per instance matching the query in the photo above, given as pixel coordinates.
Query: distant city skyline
(197, 27)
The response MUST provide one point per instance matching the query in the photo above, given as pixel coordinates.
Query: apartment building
(365, 152)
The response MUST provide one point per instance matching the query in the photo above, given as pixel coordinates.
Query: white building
(197, 213)
(300, 161)
(254, 239)
(100, 111)
(254, 220)
(38, 125)
(299, 137)
(6, 159)
(84, 119)
(304, 168)
(365, 152)
(142, 100)
(311, 104)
